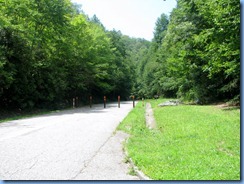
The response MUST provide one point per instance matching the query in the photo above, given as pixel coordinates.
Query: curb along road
(139, 173)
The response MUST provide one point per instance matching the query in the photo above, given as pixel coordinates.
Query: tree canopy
(195, 53)
(51, 52)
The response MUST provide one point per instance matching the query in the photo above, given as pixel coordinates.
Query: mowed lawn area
(191, 142)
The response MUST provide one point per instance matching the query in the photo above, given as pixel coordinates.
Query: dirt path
(150, 121)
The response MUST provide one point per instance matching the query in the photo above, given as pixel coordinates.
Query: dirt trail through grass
(150, 121)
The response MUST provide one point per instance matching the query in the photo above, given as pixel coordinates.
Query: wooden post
(76, 102)
(90, 101)
(73, 102)
(104, 98)
(133, 97)
(119, 101)
(142, 102)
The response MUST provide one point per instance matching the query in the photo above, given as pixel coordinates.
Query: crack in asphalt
(87, 162)
(33, 164)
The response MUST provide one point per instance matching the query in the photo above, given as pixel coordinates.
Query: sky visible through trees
(135, 18)
(51, 52)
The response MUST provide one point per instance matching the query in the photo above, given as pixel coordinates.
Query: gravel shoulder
(109, 162)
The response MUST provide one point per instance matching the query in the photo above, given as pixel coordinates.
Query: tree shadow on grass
(231, 108)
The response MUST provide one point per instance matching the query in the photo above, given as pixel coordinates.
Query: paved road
(78, 144)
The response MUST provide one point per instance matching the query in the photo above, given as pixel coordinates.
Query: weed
(132, 171)
(126, 160)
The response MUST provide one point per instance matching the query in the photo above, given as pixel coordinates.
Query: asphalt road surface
(79, 144)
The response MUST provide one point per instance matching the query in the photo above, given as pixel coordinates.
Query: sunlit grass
(190, 142)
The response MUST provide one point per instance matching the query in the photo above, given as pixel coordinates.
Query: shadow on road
(95, 109)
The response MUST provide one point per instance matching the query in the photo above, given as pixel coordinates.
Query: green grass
(190, 142)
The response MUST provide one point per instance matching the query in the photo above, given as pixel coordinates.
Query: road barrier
(119, 101)
(104, 98)
(90, 101)
(75, 101)
(133, 98)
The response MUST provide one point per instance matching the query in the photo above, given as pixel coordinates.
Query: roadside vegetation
(191, 142)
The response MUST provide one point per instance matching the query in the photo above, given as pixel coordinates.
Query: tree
(122, 69)
(160, 29)
(196, 56)
(221, 40)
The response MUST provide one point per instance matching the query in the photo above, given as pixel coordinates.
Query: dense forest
(51, 52)
(195, 53)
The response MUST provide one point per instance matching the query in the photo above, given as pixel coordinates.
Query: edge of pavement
(139, 173)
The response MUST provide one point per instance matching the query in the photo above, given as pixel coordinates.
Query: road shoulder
(109, 162)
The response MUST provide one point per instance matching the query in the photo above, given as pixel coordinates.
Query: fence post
(73, 102)
(133, 97)
(104, 98)
(119, 101)
(90, 101)
(77, 102)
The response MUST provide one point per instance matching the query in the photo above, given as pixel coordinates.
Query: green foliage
(50, 52)
(160, 29)
(120, 73)
(196, 56)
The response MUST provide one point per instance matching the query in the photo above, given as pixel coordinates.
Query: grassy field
(190, 143)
